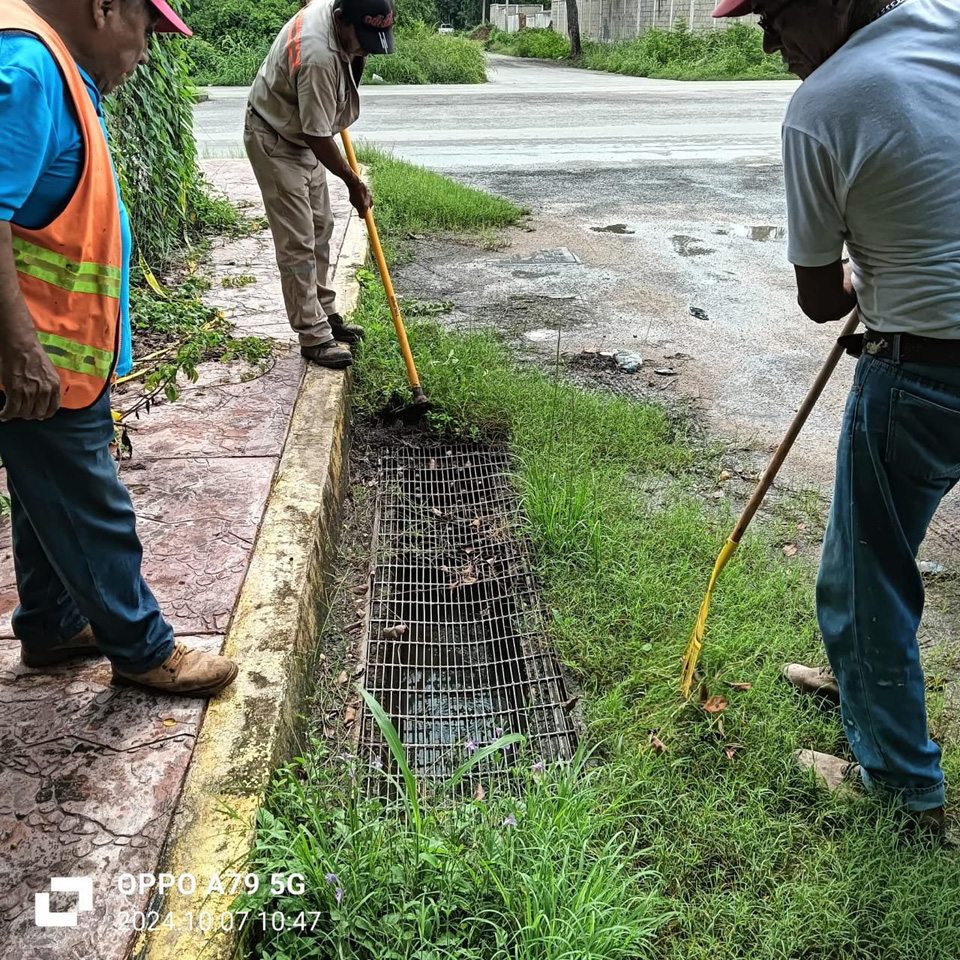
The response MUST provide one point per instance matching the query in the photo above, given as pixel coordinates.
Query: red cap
(733, 8)
(168, 21)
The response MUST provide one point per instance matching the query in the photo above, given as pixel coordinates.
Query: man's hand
(325, 149)
(30, 382)
(360, 196)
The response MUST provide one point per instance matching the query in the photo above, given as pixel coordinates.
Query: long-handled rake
(420, 405)
(695, 644)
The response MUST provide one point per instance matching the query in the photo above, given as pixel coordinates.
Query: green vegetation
(418, 201)
(151, 128)
(679, 54)
(425, 56)
(732, 54)
(233, 39)
(537, 44)
(695, 822)
(173, 332)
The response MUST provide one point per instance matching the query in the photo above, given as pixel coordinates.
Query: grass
(735, 53)
(422, 56)
(419, 201)
(696, 824)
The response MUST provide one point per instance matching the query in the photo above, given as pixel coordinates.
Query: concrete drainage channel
(454, 646)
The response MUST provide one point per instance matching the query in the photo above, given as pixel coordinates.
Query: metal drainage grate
(452, 565)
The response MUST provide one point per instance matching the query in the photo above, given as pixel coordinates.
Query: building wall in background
(608, 20)
(512, 17)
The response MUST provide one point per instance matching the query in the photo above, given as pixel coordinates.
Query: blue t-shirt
(43, 153)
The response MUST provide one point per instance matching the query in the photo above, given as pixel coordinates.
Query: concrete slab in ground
(91, 774)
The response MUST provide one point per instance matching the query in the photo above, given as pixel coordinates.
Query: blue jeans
(75, 544)
(899, 455)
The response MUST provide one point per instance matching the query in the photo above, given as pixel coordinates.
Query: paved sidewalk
(90, 775)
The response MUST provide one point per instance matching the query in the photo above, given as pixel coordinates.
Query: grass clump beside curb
(697, 822)
(418, 201)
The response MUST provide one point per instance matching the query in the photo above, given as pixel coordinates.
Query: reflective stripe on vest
(78, 357)
(34, 261)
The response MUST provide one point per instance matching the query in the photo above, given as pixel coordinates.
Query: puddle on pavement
(760, 234)
(689, 246)
(619, 228)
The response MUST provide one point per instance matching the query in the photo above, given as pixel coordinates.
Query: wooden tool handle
(385, 274)
(786, 445)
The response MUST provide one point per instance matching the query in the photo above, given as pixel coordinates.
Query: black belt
(903, 348)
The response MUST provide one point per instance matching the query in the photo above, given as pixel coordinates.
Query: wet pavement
(90, 774)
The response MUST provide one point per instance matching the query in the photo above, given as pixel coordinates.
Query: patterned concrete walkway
(90, 774)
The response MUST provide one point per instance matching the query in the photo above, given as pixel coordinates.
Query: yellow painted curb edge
(249, 731)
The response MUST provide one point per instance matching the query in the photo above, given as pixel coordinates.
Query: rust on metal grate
(455, 634)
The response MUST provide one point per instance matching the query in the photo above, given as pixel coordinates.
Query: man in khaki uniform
(306, 92)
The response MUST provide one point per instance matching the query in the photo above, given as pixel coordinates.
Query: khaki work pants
(294, 187)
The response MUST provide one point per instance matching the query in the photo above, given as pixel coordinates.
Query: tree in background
(573, 29)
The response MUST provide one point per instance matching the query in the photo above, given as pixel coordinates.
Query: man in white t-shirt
(871, 148)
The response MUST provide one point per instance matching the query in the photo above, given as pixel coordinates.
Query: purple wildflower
(498, 733)
(377, 763)
(471, 747)
(339, 895)
(511, 821)
(537, 767)
(331, 878)
(346, 757)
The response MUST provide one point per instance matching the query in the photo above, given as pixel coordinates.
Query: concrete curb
(249, 731)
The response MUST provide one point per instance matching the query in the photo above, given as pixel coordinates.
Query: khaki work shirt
(307, 85)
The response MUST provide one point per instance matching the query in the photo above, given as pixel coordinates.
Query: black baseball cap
(373, 21)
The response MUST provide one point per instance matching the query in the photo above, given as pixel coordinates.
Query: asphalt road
(687, 175)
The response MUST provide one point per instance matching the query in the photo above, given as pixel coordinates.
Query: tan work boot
(329, 354)
(814, 681)
(185, 672)
(832, 772)
(84, 644)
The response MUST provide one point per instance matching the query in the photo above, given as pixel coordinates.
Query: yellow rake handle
(385, 275)
(695, 644)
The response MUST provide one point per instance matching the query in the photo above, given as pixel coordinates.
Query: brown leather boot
(932, 823)
(831, 772)
(84, 644)
(814, 681)
(185, 672)
(329, 354)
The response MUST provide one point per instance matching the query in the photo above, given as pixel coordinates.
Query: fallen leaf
(742, 687)
(790, 549)
(476, 522)
(720, 728)
(725, 474)
(571, 703)
(704, 694)
(361, 590)
(431, 464)
(169, 722)
(354, 627)
(350, 716)
(437, 512)
(480, 794)
(329, 732)
(658, 745)
(801, 527)
(342, 679)
(715, 704)
(394, 632)
(732, 750)
(665, 372)
(717, 494)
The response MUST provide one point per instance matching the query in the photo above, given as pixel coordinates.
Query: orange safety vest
(70, 272)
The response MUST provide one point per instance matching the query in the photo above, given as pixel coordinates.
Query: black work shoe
(84, 644)
(344, 332)
(329, 354)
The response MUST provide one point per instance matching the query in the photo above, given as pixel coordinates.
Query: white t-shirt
(871, 147)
